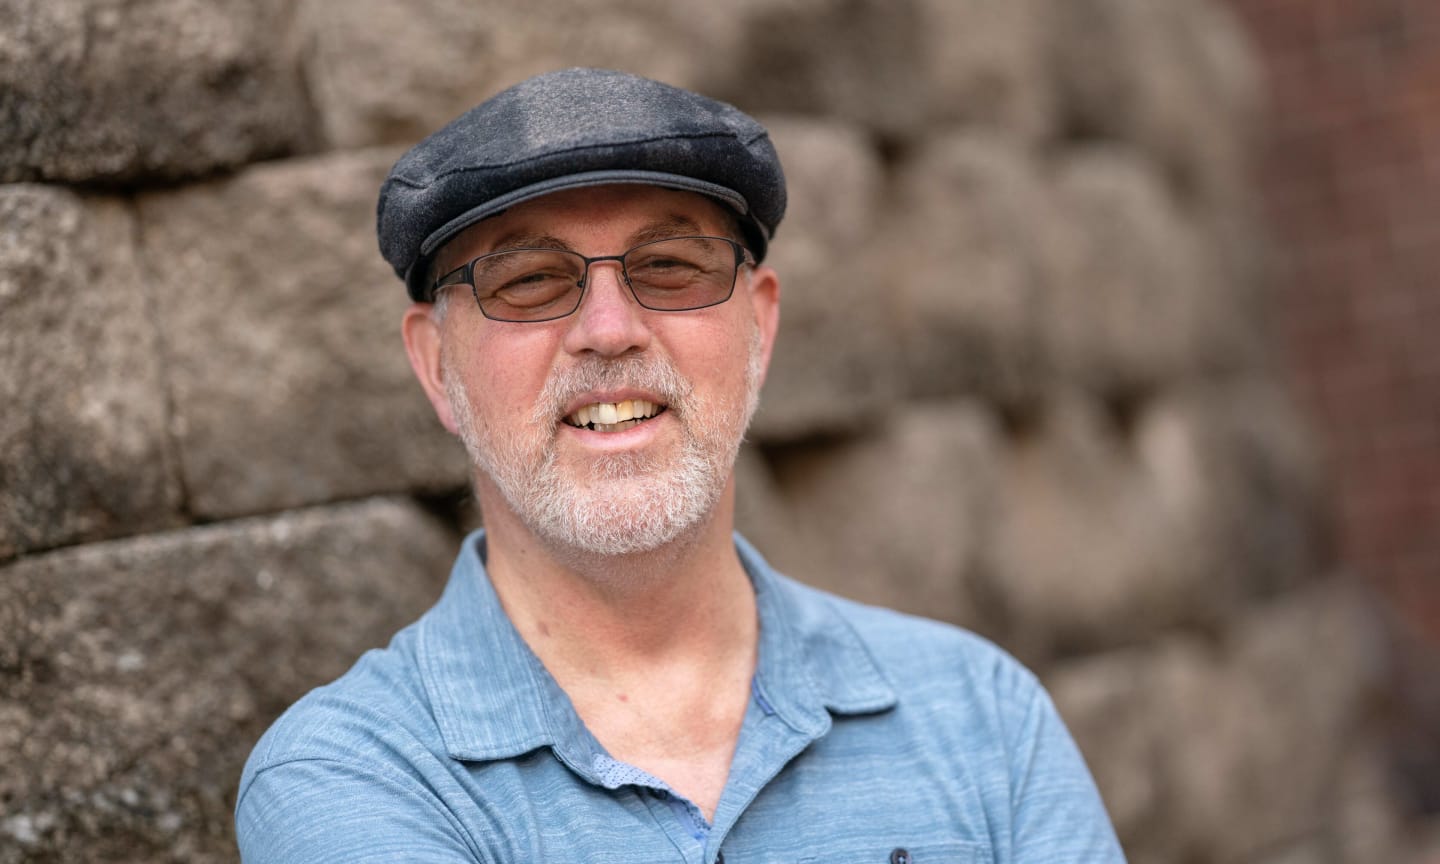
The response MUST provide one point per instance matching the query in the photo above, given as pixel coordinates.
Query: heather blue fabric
(567, 129)
(867, 731)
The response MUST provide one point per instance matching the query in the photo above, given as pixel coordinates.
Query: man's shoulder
(355, 770)
(917, 655)
(354, 718)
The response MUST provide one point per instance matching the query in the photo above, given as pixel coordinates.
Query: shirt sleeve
(310, 811)
(1058, 816)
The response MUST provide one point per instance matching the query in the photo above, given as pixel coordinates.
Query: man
(611, 674)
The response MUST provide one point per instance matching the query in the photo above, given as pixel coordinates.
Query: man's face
(534, 401)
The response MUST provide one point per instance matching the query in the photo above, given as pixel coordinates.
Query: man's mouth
(614, 416)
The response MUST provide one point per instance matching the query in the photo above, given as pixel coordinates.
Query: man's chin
(639, 468)
(612, 527)
(626, 508)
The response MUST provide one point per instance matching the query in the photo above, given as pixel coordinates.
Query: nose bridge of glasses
(619, 261)
(624, 290)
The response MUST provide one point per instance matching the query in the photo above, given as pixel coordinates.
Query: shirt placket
(681, 821)
(768, 742)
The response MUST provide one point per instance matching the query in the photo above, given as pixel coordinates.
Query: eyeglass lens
(670, 275)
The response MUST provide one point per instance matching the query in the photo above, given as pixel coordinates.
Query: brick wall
(1351, 176)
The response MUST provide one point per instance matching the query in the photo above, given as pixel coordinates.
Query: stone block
(282, 328)
(392, 71)
(83, 447)
(897, 67)
(120, 91)
(1312, 663)
(1266, 725)
(1094, 548)
(988, 64)
(1370, 811)
(1366, 817)
(835, 367)
(136, 675)
(977, 232)
(1178, 79)
(854, 60)
(1111, 529)
(1142, 302)
(1218, 751)
(901, 512)
(1102, 701)
(1232, 462)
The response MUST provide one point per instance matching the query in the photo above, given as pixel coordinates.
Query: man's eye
(667, 273)
(658, 264)
(536, 278)
(534, 289)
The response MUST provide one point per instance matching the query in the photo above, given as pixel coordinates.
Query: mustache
(649, 373)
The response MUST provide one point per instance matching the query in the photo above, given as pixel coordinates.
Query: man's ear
(764, 295)
(423, 336)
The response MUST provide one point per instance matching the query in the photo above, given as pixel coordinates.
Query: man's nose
(609, 321)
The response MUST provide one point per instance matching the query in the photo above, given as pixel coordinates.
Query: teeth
(609, 416)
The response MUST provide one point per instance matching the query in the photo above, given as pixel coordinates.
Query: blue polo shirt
(870, 736)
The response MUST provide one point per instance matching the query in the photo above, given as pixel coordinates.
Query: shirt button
(899, 856)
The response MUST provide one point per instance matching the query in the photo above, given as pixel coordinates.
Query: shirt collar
(493, 699)
(812, 662)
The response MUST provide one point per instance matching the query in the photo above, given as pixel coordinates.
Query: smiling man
(612, 675)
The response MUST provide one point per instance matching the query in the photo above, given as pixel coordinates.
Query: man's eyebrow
(672, 226)
(528, 240)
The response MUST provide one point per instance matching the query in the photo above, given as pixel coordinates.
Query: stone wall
(1023, 384)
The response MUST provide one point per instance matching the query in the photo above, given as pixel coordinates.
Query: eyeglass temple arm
(458, 276)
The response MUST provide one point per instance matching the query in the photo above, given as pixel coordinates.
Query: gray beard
(627, 502)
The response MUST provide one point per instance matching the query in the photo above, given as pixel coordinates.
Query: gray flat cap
(563, 130)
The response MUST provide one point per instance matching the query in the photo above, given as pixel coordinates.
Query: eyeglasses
(671, 275)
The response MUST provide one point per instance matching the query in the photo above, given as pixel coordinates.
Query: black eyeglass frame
(465, 275)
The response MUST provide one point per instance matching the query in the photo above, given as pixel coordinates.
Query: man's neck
(607, 612)
(655, 650)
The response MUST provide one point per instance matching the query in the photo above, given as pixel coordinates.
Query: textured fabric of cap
(569, 129)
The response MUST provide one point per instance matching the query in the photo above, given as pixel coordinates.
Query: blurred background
(1107, 333)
